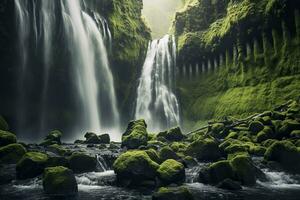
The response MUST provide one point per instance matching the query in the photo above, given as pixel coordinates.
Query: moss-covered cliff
(238, 56)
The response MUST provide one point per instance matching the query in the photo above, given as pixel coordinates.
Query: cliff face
(238, 56)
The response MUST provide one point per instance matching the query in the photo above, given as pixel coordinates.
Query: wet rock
(104, 138)
(52, 138)
(54, 161)
(167, 153)
(135, 135)
(204, 149)
(12, 153)
(229, 184)
(171, 171)
(79, 142)
(295, 134)
(285, 153)
(92, 138)
(55, 148)
(59, 181)
(256, 127)
(174, 134)
(81, 163)
(31, 165)
(216, 172)
(7, 138)
(173, 193)
(288, 126)
(134, 167)
(153, 155)
(265, 134)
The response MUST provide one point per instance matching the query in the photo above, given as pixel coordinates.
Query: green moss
(153, 155)
(59, 181)
(295, 134)
(265, 134)
(3, 124)
(204, 149)
(232, 135)
(178, 146)
(256, 127)
(7, 138)
(12, 153)
(57, 149)
(81, 163)
(170, 193)
(136, 135)
(244, 169)
(167, 153)
(171, 171)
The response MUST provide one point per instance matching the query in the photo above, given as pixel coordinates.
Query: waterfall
(53, 33)
(156, 100)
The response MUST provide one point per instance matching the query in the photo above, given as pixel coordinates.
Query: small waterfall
(101, 163)
(156, 100)
(66, 34)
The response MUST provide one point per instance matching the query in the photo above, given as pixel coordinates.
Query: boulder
(174, 134)
(54, 161)
(7, 138)
(179, 147)
(265, 134)
(91, 138)
(171, 171)
(173, 193)
(285, 153)
(153, 155)
(31, 165)
(167, 153)
(3, 124)
(80, 163)
(256, 127)
(104, 139)
(204, 149)
(59, 181)
(295, 134)
(134, 167)
(12, 153)
(288, 126)
(52, 138)
(216, 173)
(135, 135)
(229, 184)
(244, 170)
(57, 149)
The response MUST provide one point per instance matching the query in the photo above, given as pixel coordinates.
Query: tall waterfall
(156, 100)
(65, 37)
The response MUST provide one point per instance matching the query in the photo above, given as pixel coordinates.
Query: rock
(229, 184)
(54, 161)
(179, 147)
(234, 148)
(79, 142)
(216, 173)
(81, 163)
(217, 130)
(285, 153)
(173, 193)
(256, 127)
(174, 134)
(278, 115)
(3, 124)
(12, 153)
(204, 149)
(189, 161)
(7, 173)
(153, 155)
(52, 138)
(92, 138)
(288, 126)
(7, 138)
(104, 138)
(55, 148)
(171, 171)
(167, 153)
(134, 167)
(135, 135)
(244, 170)
(31, 165)
(268, 142)
(295, 134)
(257, 150)
(232, 135)
(265, 134)
(59, 181)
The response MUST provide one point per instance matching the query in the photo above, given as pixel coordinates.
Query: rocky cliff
(236, 57)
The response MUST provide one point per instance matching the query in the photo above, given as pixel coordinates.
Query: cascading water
(156, 100)
(54, 34)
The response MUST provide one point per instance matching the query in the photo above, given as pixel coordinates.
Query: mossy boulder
(166, 153)
(171, 171)
(153, 155)
(31, 165)
(52, 138)
(216, 172)
(173, 193)
(244, 170)
(104, 138)
(268, 142)
(232, 135)
(134, 167)
(174, 134)
(7, 138)
(135, 135)
(54, 161)
(178, 146)
(229, 184)
(59, 181)
(295, 134)
(265, 134)
(91, 138)
(217, 130)
(285, 153)
(204, 149)
(288, 126)
(80, 163)
(12, 153)
(234, 148)
(3, 124)
(256, 127)
(57, 149)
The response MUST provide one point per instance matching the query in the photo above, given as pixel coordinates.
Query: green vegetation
(171, 171)
(135, 135)
(11, 153)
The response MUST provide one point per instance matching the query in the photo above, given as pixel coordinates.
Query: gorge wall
(236, 57)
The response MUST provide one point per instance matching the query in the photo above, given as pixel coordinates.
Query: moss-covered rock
(206, 149)
(54, 161)
(3, 124)
(256, 127)
(135, 135)
(104, 138)
(171, 171)
(288, 126)
(166, 153)
(285, 153)
(173, 193)
(91, 138)
(31, 165)
(55, 148)
(11, 153)
(229, 184)
(178, 146)
(81, 163)
(244, 170)
(7, 138)
(52, 138)
(265, 134)
(153, 155)
(59, 181)
(174, 134)
(134, 167)
(216, 172)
